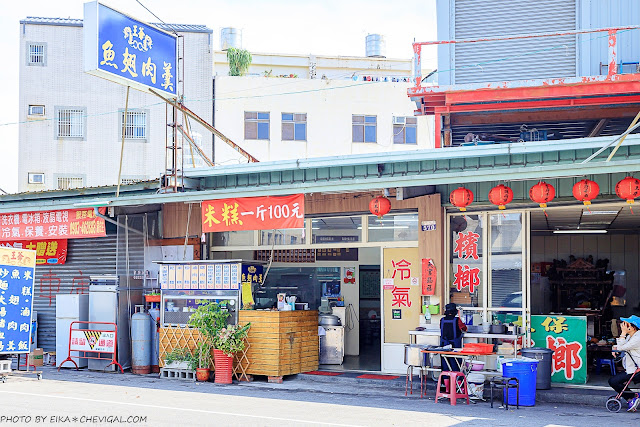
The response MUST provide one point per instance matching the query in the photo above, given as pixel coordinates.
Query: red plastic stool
(457, 388)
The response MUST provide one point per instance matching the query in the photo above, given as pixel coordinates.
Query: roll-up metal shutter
(522, 59)
(85, 257)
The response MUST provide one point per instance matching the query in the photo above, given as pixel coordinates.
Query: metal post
(124, 131)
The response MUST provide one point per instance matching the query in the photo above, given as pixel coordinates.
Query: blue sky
(321, 27)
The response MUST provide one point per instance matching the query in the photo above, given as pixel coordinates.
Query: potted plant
(201, 361)
(211, 320)
(178, 358)
(226, 342)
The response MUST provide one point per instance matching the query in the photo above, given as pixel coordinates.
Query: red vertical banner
(429, 277)
(253, 213)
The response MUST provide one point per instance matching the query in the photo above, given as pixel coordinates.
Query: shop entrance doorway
(370, 322)
(584, 275)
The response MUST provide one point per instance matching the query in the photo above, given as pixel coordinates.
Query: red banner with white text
(253, 213)
(47, 251)
(61, 224)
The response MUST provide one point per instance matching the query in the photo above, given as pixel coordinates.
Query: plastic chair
(456, 389)
(608, 362)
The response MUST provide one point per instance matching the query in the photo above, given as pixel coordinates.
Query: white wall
(62, 82)
(329, 105)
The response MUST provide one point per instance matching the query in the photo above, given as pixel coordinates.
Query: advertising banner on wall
(44, 225)
(401, 293)
(17, 272)
(128, 51)
(47, 251)
(566, 336)
(253, 213)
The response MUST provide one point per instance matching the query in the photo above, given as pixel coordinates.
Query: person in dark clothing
(451, 329)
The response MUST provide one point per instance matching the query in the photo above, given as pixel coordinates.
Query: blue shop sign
(17, 271)
(127, 51)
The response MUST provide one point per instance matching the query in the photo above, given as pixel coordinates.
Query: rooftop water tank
(376, 46)
(230, 37)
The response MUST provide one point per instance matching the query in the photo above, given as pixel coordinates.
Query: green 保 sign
(567, 337)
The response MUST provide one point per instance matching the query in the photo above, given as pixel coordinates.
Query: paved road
(92, 403)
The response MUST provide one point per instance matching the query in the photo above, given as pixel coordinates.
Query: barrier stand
(87, 342)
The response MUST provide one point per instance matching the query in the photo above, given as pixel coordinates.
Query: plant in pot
(211, 320)
(226, 342)
(201, 361)
(178, 358)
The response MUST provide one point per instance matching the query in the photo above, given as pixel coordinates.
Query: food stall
(280, 342)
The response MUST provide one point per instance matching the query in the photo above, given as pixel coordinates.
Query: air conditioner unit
(399, 120)
(36, 110)
(36, 178)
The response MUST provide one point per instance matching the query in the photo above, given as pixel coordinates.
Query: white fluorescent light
(579, 231)
(600, 212)
(93, 204)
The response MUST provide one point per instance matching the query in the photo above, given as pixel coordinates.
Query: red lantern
(461, 198)
(585, 191)
(628, 189)
(501, 195)
(380, 206)
(542, 193)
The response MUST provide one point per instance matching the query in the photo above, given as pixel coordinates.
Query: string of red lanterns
(542, 193)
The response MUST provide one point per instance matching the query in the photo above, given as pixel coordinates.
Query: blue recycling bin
(525, 370)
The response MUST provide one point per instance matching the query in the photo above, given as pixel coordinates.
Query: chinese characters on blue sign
(128, 51)
(17, 271)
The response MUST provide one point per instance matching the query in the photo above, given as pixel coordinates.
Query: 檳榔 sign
(127, 51)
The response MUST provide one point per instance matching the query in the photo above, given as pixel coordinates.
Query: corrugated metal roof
(152, 184)
(183, 28)
(52, 21)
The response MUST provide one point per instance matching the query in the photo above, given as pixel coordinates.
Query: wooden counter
(281, 342)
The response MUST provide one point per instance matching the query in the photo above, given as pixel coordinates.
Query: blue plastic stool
(602, 362)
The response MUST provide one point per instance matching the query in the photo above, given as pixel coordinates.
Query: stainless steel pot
(413, 355)
(511, 329)
(328, 320)
(497, 329)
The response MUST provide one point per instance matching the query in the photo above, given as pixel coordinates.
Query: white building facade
(303, 106)
(71, 122)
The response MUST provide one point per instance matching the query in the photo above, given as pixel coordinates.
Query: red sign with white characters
(47, 251)
(62, 224)
(429, 276)
(253, 213)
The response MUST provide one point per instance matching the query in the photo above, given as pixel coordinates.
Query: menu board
(200, 275)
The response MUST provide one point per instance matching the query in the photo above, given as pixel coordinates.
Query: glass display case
(178, 305)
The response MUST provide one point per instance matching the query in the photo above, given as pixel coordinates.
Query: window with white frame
(70, 182)
(405, 130)
(36, 178)
(256, 125)
(70, 122)
(136, 126)
(37, 54)
(36, 110)
(364, 128)
(294, 127)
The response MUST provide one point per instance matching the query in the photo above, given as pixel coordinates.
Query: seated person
(451, 329)
(629, 342)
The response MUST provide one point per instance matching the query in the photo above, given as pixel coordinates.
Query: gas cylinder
(140, 343)
(154, 320)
